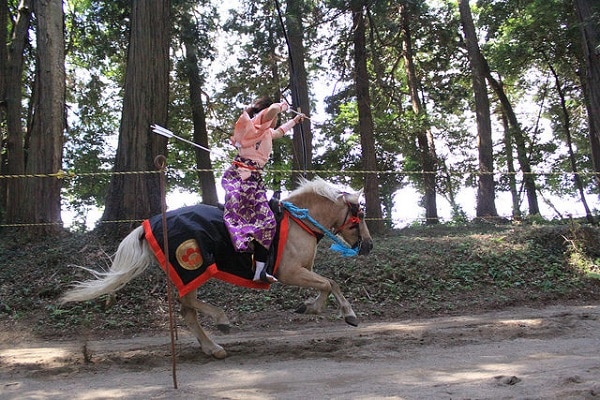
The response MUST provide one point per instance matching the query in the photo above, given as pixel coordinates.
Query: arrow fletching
(162, 131)
(168, 134)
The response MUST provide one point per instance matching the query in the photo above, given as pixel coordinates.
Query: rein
(303, 225)
(303, 214)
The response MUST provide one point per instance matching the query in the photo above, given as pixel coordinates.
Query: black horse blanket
(200, 248)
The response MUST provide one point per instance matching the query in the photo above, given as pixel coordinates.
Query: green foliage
(97, 35)
(86, 149)
(526, 41)
(245, 56)
(96, 43)
(194, 35)
(583, 254)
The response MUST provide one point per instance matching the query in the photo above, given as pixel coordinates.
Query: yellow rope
(70, 174)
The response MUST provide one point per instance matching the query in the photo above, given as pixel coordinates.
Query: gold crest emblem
(189, 255)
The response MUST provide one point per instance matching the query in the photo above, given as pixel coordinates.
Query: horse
(327, 210)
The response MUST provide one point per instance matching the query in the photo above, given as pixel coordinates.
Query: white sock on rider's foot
(259, 268)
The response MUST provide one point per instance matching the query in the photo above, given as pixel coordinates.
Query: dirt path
(515, 354)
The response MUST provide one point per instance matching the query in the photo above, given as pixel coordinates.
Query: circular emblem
(188, 255)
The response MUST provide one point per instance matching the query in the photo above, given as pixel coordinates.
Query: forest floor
(476, 312)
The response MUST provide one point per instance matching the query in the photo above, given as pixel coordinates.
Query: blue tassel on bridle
(338, 245)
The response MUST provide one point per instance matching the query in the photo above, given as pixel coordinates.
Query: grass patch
(414, 272)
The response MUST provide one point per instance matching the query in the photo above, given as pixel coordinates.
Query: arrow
(298, 113)
(168, 134)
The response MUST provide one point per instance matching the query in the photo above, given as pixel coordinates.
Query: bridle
(352, 219)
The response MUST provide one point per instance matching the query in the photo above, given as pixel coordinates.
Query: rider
(247, 215)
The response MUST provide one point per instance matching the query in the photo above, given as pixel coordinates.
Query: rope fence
(66, 175)
(70, 175)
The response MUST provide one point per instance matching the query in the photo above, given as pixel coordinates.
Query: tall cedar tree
(424, 136)
(13, 159)
(485, 190)
(3, 63)
(206, 176)
(302, 138)
(365, 118)
(516, 133)
(42, 195)
(565, 121)
(588, 15)
(137, 196)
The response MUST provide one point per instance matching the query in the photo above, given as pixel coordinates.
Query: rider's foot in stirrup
(266, 278)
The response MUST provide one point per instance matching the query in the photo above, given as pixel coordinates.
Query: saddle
(200, 247)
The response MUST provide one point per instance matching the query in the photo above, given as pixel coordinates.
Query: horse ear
(360, 192)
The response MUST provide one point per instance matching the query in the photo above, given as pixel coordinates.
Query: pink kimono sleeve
(248, 130)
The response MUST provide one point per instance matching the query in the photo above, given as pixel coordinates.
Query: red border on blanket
(212, 271)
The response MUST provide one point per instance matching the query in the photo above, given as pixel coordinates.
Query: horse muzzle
(364, 247)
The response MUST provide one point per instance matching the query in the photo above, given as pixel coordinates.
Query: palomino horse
(328, 210)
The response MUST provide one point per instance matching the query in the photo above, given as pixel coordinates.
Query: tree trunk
(367, 139)
(3, 54)
(135, 195)
(424, 135)
(485, 190)
(3, 73)
(302, 139)
(510, 166)
(15, 154)
(566, 119)
(587, 14)
(517, 134)
(206, 177)
(277, 157)
(450, 191)
(42, 195)
(594, 134)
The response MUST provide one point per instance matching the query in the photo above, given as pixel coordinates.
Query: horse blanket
(200, 248)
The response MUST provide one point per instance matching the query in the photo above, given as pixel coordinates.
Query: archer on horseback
(247, 215)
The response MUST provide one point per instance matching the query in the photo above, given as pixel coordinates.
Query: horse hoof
(219, 354)
(224, 328)
(351, 320)
(301, 309)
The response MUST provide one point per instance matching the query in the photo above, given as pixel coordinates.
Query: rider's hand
(283, 106)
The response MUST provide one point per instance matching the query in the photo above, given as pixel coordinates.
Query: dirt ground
(519, 353)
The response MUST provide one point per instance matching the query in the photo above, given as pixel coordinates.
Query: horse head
(336, 212)
(352, 226)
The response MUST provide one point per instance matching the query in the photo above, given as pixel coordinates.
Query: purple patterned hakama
(247, 214)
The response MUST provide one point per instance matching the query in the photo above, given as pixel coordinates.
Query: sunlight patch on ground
(35, 356)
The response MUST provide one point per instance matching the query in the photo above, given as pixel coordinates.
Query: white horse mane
(322, 188)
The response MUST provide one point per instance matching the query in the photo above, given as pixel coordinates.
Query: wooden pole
(161, 163)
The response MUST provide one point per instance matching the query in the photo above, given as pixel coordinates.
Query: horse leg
(345, 307)
(190, 315)
(304, 278)
(217, 314)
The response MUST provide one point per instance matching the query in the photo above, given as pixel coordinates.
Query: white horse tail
(132, 258)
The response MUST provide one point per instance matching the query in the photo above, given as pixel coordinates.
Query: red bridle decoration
(352, 217)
